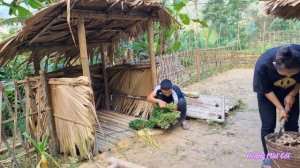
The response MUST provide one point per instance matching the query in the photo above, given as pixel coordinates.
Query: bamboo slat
(115, 126)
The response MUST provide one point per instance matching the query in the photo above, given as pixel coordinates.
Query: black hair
(166, 84)
(288, 58)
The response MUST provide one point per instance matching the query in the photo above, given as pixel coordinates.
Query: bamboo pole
(110, 54)
(263, 37)
(198, 64)
(151, 52)
(12, 154)
(105, 78)
(161, 40)
(15, 117)
(36, 63)
(27, 108)
(53, 136)
(1, 90)
(83, 48)
(38, 128)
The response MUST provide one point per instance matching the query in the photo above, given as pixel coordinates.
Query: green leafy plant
(41, 149)
(162, 117)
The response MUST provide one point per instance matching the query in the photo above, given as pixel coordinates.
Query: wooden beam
(43, 30)
(62, 45)
(104, 16)
(151, 52)
(83, 48)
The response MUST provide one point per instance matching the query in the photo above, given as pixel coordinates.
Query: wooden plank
(115, 118)
(117, 114)
(83, 47)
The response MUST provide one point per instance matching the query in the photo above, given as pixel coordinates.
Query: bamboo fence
(267, 39)
(24, 108)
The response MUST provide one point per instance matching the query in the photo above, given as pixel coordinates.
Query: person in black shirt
(166, 92)
(276, 82)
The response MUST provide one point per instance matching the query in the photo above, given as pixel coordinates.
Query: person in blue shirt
(276, 82)
(167, 92)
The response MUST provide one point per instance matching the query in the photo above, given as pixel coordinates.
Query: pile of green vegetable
(162, 117)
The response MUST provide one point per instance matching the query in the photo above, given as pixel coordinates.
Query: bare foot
(185, 125)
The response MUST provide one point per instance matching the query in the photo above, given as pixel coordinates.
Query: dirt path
(204, 145)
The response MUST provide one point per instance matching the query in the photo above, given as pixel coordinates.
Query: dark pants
(267, 113)
(181, 106)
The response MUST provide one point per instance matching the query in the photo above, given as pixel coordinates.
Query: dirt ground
(206, 145)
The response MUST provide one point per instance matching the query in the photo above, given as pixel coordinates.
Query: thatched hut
(75, 33)
(286, 9)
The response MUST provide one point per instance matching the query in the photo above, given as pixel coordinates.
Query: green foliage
(162, 118)
(41, 147)
(184, 18)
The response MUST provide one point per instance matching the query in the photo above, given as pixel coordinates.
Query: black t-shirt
(174, 97)
(267, 79)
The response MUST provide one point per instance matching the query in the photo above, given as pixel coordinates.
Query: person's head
(287, 61)
(166, 87)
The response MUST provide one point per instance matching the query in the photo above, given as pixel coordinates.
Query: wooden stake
(53, 136)
(151, 52)
(83, 47)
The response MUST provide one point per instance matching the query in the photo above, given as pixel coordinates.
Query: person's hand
(175, 107)
(283, 115)
(288, 102)
(162, 104)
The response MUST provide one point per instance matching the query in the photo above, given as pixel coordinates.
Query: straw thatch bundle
(52, 32)
(136, 82)
(286, 9)
(74, 113)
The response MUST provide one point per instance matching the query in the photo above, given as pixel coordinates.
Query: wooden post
(0, 111)
(36, 63)
(83, 47)
(263, 37)
(161, 40)
(110, 54)
(27, 106)
(220, 29)
(53, 143)
(105, 78)
(151, 52)
(198, 64)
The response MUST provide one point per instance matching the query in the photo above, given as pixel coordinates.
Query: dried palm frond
(135, 82)
(74, 113)
(286, 9)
